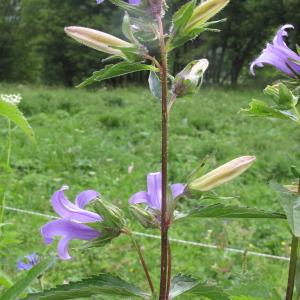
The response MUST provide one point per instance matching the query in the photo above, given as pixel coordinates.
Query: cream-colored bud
(293, 188)
(206, 10)
(222, 174)
(97, 40)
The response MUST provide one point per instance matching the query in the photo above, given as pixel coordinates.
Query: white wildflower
(14, 99)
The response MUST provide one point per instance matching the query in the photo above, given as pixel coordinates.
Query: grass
(93, 138)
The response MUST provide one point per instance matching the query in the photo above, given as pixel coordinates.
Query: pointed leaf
(13, 113)
(182, 284)
(183, 15)
(116, 70)
(230, 212)
(5, 280)
(103, 284)
(20, 286)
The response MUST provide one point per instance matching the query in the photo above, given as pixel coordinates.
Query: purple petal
(177, 189)
(140, 197)
(32, 258)
(23, 266)
(85, 198)
(281, 33)
(99, 1)
(68, 231)
(135, 2)
(70, 211)
(154, 190)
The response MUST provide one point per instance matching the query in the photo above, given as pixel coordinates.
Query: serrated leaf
(116, 70)
(13, 113)
(182, 284)
(182, 16)
(102, 284)
(20, 286)
(259, 108)
(155, 85)
(229, 212)
(290, 203)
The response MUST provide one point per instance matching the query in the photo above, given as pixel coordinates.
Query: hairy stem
(143, 263)
(293, 264)
(169, 268)
(164, 169)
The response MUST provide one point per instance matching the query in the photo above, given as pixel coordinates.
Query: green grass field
(91, 138)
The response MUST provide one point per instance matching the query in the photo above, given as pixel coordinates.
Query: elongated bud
(97, 40)
(188, 81)
(146, 218)
(222, 174)
(205, 11)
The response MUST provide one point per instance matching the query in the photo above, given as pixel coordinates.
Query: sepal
(146, 218)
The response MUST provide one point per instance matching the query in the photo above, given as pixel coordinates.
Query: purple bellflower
(153, 196)
(131, 2)
(279, 55)
(71, 225)
(32, 260)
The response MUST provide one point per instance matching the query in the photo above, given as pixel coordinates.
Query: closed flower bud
(145, 217)
(188, 81)
(205, 11)
(97, 40)
(222, 174)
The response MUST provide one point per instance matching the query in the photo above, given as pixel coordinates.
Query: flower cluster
(14, 99)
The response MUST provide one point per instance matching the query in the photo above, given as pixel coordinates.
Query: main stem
(164, 168)
(293, 264)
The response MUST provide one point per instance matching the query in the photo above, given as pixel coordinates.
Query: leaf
(130, 8)
(5, 280)
(290, 203)
(103, 284)
(116, 70)
(259, 108)
(20, 286)
(230, 212)
(13, 113)
(155, 85)
(245, 298)
(183, 15)
(181, 284)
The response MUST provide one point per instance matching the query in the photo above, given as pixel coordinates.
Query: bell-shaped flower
(153, 196)
(98, 40)
(71, 225)
(222, 174)
(279, 55)
(31, 260)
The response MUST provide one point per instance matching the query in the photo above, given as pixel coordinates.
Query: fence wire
(177, 241)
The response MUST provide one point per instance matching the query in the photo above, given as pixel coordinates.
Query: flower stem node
(189, 80)
(222, 174)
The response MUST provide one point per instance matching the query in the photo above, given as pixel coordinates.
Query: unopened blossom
(14, 99)
(222, 174)
(97, 40)
(132, 2)
(31, 260)
(72, 224)
(279, 55)
(153, 196)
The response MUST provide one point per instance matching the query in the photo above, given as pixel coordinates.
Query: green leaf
(182, 284)
(5, 280)
(116, 70)
(183, 15)
(290, 203)
(245, 298)
(130, 8)
(259, 108)
(20, 286)
(102, 284)
(13, 113)
(155, 85)
(127, 29)
(229, 212)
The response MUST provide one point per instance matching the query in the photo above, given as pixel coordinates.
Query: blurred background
(35, 49)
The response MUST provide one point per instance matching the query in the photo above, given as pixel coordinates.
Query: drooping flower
(279, 55)
(152, 198)
(32, 260)
(71, 225)
(131, 2)
(222, 174)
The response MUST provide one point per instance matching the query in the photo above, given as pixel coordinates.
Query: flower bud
(145, 217)
(97, 40)
(205, 11)
(222, 174)
(188, 81)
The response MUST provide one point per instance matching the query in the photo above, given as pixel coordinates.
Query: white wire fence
(177, 241)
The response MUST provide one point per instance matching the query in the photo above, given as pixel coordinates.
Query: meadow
(108, 139)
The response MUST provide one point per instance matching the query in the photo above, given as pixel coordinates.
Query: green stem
(143, 263)
(292, 269)
(8, 155)
(297, 113)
